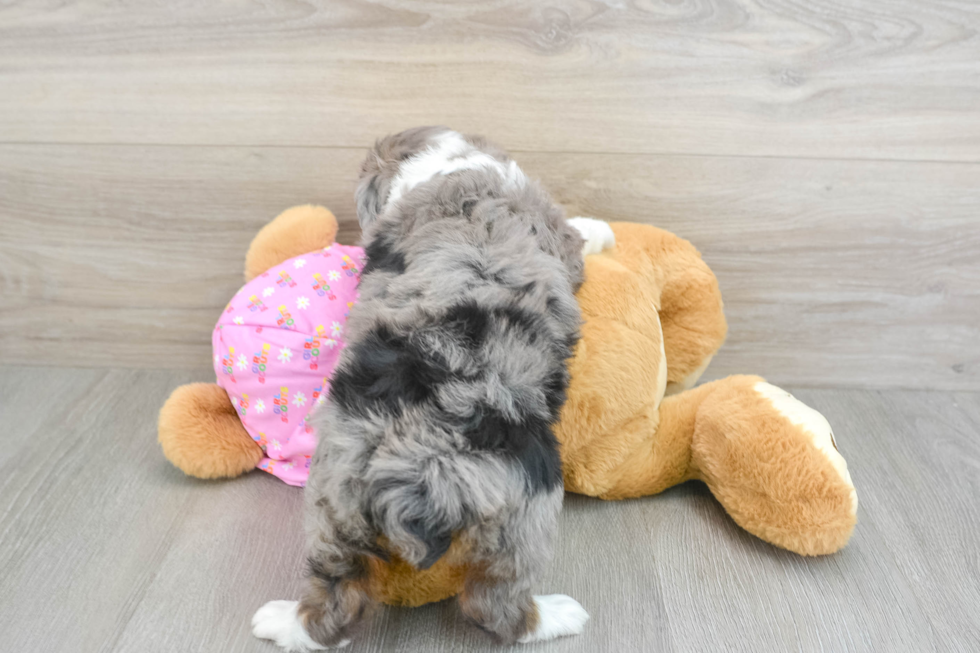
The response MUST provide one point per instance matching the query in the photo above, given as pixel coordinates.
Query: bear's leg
(773, 464)
(691, 311)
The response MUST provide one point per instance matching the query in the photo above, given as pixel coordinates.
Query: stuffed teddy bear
(634, 423)
(275, 346)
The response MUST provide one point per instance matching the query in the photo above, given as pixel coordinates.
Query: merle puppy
(437, 428)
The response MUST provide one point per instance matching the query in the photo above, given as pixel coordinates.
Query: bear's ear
(295, 231)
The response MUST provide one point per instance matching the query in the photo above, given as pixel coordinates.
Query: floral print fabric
(275, 348)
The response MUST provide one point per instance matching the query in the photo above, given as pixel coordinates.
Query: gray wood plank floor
(105, 547)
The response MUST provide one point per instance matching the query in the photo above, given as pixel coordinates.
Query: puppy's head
(382, 165)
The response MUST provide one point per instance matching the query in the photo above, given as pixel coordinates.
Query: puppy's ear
(381, 165)
(369, 196)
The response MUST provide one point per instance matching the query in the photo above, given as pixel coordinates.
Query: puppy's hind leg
(334, 601)
(506, 564)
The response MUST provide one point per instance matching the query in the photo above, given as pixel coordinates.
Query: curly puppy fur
(439, 421)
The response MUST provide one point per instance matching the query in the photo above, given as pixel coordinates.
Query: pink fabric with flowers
(275, 348)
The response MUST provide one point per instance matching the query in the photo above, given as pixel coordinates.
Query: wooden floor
(823, 155)
(106, 547)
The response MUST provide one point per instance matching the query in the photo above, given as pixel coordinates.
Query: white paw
(279, 621)
(558, 616)
(598, 235)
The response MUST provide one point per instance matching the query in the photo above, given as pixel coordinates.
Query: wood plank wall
(824, 156)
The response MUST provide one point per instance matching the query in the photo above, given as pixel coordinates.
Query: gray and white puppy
(438, 423)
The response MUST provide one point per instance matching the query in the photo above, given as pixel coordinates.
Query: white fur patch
(813, 424)
(279, 621)
(598, 235)
(449, 153)
(558, 616)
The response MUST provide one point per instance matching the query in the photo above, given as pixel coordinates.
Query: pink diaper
(275, 348)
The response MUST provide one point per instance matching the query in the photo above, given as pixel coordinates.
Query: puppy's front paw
(279, 621)
(598, 235)
(558, 616)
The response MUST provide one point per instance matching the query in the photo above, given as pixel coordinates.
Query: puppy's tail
(435, 537)
(420, 503)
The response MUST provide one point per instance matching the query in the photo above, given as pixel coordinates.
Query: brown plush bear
(633, 425)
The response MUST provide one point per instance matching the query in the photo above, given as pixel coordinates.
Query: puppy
(437, 428)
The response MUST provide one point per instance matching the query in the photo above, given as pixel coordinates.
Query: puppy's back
(440, 411)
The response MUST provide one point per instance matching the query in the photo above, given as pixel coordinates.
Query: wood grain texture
(848, 273)
(869, 79)
(107, 548)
